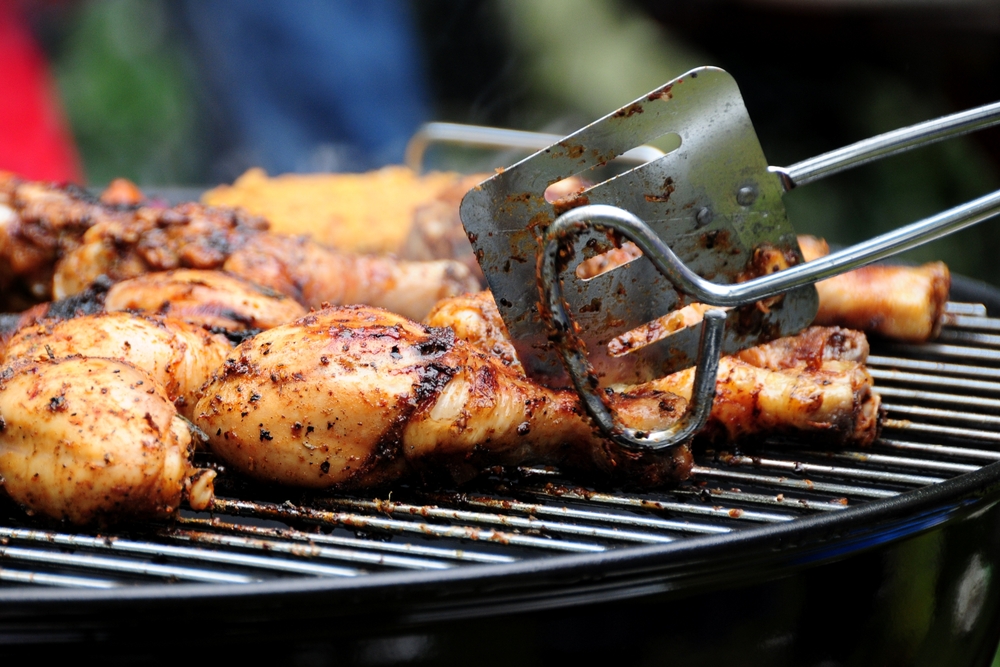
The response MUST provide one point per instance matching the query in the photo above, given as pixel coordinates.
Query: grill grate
(942, 400)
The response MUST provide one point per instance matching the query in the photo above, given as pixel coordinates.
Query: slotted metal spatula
(707, 216)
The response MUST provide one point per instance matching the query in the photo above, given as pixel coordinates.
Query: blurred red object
(35, 141)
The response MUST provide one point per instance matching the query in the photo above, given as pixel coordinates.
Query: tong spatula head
(712, 200)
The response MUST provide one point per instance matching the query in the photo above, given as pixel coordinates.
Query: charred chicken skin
(814, 383)
(833, 404)
(357, 397)
(194, 236)
(86, 440)
(475, 319)
(212, 299)
(55, 242)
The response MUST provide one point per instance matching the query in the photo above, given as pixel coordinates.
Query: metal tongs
(703, 215)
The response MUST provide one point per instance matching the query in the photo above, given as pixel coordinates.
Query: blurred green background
(815, 75)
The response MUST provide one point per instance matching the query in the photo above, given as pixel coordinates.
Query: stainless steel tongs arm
(729, 296)
(890, 143)
(581, 372)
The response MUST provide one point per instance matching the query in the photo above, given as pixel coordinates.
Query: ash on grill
(941, 400)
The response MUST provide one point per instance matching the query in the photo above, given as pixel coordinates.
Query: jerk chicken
(348, 398)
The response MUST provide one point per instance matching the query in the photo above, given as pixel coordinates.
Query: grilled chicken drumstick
(355, 397)
(899, 302)
(93, 439)
(211, 299)
(814, 382)
(61, 237)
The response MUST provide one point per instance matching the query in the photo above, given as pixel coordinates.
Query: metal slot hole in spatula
(708, 216)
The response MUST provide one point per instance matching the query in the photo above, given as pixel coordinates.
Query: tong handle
(890, 143)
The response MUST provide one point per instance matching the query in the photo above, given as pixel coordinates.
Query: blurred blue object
(307, 85)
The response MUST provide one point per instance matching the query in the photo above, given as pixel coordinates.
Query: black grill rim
(683, 567)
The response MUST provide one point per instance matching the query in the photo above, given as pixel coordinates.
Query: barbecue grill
(774, 554)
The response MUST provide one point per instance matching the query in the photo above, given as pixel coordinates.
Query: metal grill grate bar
(960, 384)
(350, 520)
(970, 322)
(523, 523)
(949, 415)
(897, 461)
(955, 351)
(934, 429)
(977, 310)
(937, 397)
(936, 367)
(836, 471)
(120, 565)
(460, 555)
(795, 483)
(309, 551)
(942, 450)
(572, 513)
(968, 337)
(48, 579)
(703, 510)
(153, 550)
(778, 500)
